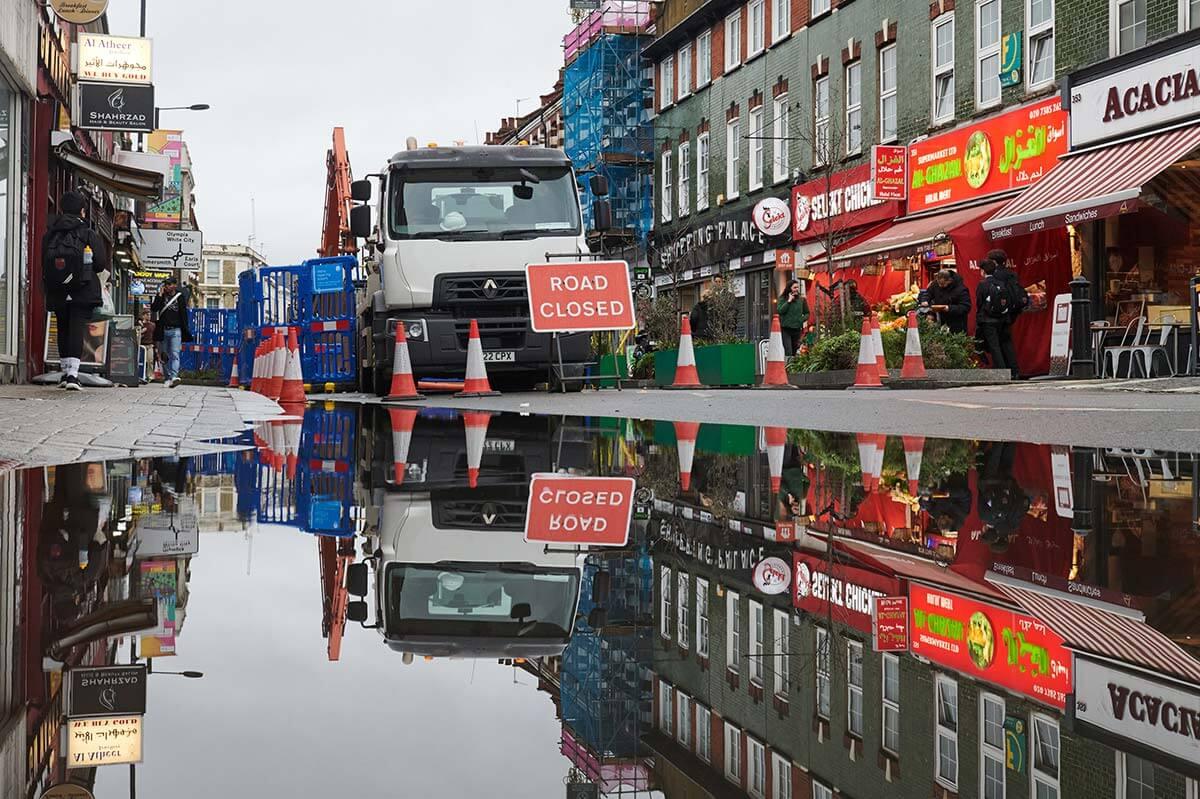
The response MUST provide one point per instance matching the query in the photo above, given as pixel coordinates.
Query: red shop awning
(819, 260)
(1093, 184)
(910, 235)
(1113, 634)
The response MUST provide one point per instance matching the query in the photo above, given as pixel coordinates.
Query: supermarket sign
(817, 585)
(1009, 151)
(990, 643)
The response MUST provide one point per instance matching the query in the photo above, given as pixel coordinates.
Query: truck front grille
(481, 290)
(479, 515)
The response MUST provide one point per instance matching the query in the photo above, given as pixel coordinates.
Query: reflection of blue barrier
(214, 341)
(326, 471)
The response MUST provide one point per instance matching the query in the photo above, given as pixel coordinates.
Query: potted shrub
(722, 358)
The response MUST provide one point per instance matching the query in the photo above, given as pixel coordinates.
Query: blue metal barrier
(214, 341)
(326, 472)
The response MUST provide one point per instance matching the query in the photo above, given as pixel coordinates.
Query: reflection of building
(216, 500)
(12, 719)
(216, 285)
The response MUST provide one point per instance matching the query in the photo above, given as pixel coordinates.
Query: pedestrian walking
(698, 318)
(170, 327)
(949, 300)
(793, 317)
(993, 325)
(73, 258)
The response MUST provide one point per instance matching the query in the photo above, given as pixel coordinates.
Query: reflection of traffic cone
(914, 451)
(403, 420)
(686, 375)
(256, 369)
(276, 444)
(292, 389)
(776, 374)
(867, 374)
(403, 387)
(877, 469)
(776, 440)
(685, 444)
(477, 425)
(914, 362)
(233, 375)
(292, 428)
(866, 460)
(877, 343)
(476, 383)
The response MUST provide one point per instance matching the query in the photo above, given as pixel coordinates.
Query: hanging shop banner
(889, 172)
(165, 248)
(839, 202)
(114, 59)
(889, 624)
(850, 591)
(771, 216)
(106, 741)
(79, 12)
(990, 643)
(711, 239)
(565, 297)
(106, 691)
(583, 511)
(1010, 59)
(1008, 151)
(116, 106)
(170, 208)
(1016, 744)
(772, 576)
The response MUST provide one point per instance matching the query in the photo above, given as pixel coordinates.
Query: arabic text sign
(1009, 151)
(106, 691)
(889, 624)
(118, 59)
(579, 295)
(172, 249)
(990, 643)
(586, 511)
(104, 742)
(889, 172)
(850, 590)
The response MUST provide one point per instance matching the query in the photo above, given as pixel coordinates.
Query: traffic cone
(867, 374)
(477, 425)
(403, 387)
(233, 375)
(914, 451)
(877, 343)
(776, 441)
(686, 375)
(278, 365)
(292, 429)
(275, 444)
(866, 460)
(255, 367)
(476, 383)
(914, 362)
(403, 420)
(877, 466)
(776, 374)
(685, 445)
(292, 388)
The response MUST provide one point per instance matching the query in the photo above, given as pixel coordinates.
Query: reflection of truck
(453, 575)
(454, 228)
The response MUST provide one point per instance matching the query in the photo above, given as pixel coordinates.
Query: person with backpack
(73, 256)
(171, 328)
(993, 324)
(1018, 297)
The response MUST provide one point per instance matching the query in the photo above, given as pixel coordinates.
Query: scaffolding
(607, 109)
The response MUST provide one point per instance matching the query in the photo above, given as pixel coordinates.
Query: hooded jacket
(86, 295)
(957, 298)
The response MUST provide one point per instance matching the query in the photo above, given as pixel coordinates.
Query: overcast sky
(280, 76)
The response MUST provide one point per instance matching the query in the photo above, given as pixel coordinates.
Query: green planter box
(717, 439)
(605, 367)
(718, 365)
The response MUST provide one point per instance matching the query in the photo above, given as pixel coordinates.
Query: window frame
(821, 791)
(733, 41)
(756, 756)
(934, 26)
(855, 68)
(733, 754)
(989, 751)
(1122, 769)
(1036, 32)
(985, 52)
(667, 211)
(889, 704)
(1114, 27)
(781, 776)
(818, 7)
(683, 190)
(781, 24)
(702, 618)
(683, 720)
(759, 6)
(757, 153)
(704, 754)
(666, 708)
(703, 152)
(665, 590)
(823, 666)
(757, 633)
(683, 597)
(852, 689)
(683, 88)
(1051, 781)
(705, 37)
(781, 119)
(666, 77)
(781, 654)
(821, 123)
(733, 631)
(893, 93)
(952, 734)
(209, 278)
(733, 158)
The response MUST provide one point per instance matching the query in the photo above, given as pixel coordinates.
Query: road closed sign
(580, 295)
(586, 511)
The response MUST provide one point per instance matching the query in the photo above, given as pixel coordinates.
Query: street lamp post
(195, 107)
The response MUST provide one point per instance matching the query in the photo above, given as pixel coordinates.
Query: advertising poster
(170, 144)
(159, 581)
(95, 343)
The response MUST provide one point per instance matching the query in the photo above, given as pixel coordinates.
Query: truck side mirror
(356, 611)
(601, 216)
(599, 185)
(360, 221)
(360, 191)
(356, 579)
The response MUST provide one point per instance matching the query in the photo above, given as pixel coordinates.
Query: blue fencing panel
(326, 473)
(214, 341)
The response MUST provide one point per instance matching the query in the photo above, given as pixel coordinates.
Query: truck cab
(453, 230)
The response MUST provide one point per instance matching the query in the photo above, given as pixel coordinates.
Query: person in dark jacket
(949, 300)
(793, 316)
(171, 327)
(993, 327)
(73, 302)
(698, 318)
(1003, 504)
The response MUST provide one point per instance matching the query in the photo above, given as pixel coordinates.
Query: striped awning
(1093, 184)
(1116, 634)
(912, 234)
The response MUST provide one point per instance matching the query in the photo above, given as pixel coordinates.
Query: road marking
(975, 406)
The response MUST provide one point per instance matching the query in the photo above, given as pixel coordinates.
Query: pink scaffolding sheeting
(626, 16)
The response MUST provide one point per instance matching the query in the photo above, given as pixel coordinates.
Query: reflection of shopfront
(13, 165)
(1127, 190)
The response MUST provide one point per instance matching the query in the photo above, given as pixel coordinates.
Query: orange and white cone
(233, 375)
(776, 374)
(914, 362)
(404, 388)
(278, 365)
(293, 427)
(292, 389)
(776, 441)
(686, 375)
(477, 425)
(476, 383)
(403, 420)
(256, 369)
(276, 443)
(877, 466)
(914, 451)
(685, 445)
(866, 460)
(877, 343)
(867, 374)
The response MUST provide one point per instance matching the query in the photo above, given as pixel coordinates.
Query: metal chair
(1148, 350)
(1130, 341)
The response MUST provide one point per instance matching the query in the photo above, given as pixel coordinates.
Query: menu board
(123, 351)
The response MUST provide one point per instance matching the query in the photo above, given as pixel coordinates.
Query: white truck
(453, 230)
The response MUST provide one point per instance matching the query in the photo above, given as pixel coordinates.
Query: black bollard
(1082, 363)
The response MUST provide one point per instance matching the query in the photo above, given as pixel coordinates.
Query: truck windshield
(482, 204)
(479, 601)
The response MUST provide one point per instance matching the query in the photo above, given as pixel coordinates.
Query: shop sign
(106, 741)
(990, 643)
(80, 12)
(889, 172)
(116, 106)
(106, 691)
(171, 249)
(728, 235)
(115, 59)
(889, 624)
(1010, 59)
(1016, 744)
(772, 576)
(67, 790)
(1161, 715)
(719, 555)
(851, 591)
(1151, 94)
(1060, 336)
(771, 216)
(1010, 151)
(785, 260)
(581, 511)
(839, 202)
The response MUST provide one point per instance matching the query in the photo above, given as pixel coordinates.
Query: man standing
(993, 324)
(73, 256)
(171, 327)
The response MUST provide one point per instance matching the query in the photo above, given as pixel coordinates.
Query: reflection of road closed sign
(772, 576)
(577, 295)
(588, 511)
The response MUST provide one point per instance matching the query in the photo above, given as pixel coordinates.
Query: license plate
(502, 356)
(500, 445)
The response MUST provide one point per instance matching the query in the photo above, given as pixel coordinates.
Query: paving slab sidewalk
(44, 426)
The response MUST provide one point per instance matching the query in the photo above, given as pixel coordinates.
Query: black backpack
(1018, 297)
(63, 268)
(994, 299)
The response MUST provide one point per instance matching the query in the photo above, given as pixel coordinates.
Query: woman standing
(793, 316)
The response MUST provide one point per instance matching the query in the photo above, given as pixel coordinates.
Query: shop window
(685, 72)
(987, 53)
(887, 94)
(782, 654)
(702, 617)
(666, 186)
(683, 634)
(991, 746)
(733, 632)
(756, 642)
(891, 704)
(946, 769)
(854, 688)
(821, 121)
(823, 684)
(666, 708)
(819, 7)
(666, 81)
(702, 172)
(733, 753)
(703, 59)
(1039, 16)
(781, 776)
(756, 149)
(733, 40)
(685, 178)
(1045, 757)
(664, 599)
(781, 19)
(733, 158)
(1127, 25)
(781, 127)
(703, 733)
(756, 761)
(683, 721)
(854, 108)
(943, 68)
(1135, 777)
(821, 791)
